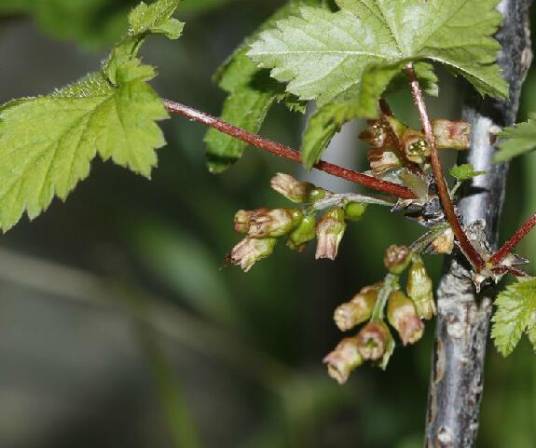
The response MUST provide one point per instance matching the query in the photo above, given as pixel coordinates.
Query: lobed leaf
(464, 172)
(517, 140)
(156, 18)
(345, 60)
(48, 142)
(251, 95)
(515, 315)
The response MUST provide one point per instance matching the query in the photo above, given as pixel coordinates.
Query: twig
(334, 200)
(463, 320)
(448, 207)
(513, 241)
(286, 152)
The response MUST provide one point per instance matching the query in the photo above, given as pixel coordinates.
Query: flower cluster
(262, 227)
(404, 311)
(395, 146)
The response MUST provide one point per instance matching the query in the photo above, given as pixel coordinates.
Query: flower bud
(420, 289)
(293, 189)
(250, 250)
(397, 258)
(444, 243)
(452, 134)
(329, 232)
(317, 194)
(343, 360)
(274, 223)
(302, 234)
(375, 134)
(242, 219)
(383, 133)
(403, 317)
(358, 310)
(382, 161)
(373, 340)
(354, 211)
(415, 146)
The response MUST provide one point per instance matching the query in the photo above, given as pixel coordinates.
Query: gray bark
(463, 315)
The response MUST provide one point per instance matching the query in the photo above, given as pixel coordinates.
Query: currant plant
(345, 56)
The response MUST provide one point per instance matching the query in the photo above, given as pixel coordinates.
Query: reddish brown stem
(286, 152)
(448, 207)
(513, 242)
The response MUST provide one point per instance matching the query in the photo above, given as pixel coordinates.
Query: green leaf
(251, 95)
(427, 78)
(48, 142)
(143, 21)
(329, 118)
(515, 315)
(156, 18)
(517, 140)
(464, 172)
(323, 55)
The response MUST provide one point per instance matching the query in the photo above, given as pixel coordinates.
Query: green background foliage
(238, 364)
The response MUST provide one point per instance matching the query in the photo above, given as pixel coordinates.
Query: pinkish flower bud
(329, 232)
(302, 234)
(452, 134)
(420, 289)
(397, 258)
(403, 317)
(242, 219)
(274, 223)
(358, 310)
(343, 360)
(291, 188)
(444, 243)
(373, 341)
(415, 146)
(250, 250)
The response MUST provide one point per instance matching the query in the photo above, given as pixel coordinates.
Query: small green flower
(420, 289)
(301, 235)
(354, 211)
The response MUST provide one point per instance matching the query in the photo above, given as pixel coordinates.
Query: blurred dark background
(120, 325)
